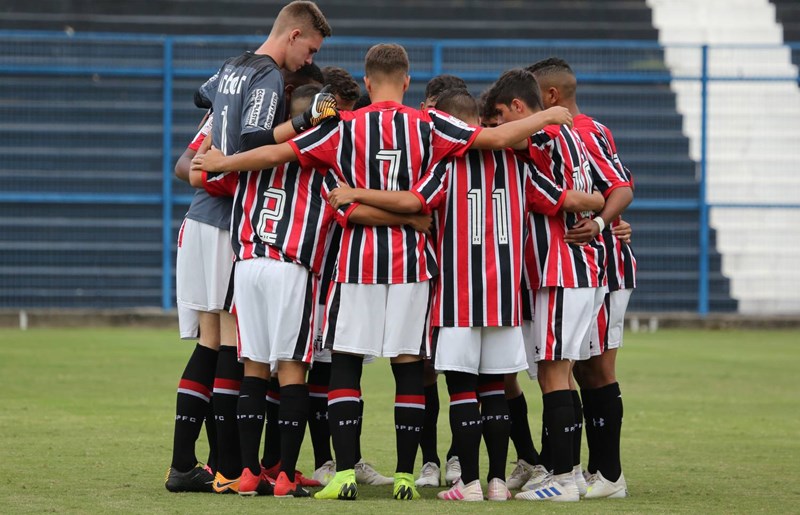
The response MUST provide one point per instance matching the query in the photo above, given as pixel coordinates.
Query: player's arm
(577, 201)
(515, 134)
(369, 215)
(395, 201)
(260, 158)
(622, 231)
(184, 165)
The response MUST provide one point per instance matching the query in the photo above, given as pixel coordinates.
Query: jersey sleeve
(541, 194)
(260, 105)
(318, 147)
(220, 185)
(432, 187)
(342, 214)
(198, 139)
(607, 170)
(450, 136)
(204, 96)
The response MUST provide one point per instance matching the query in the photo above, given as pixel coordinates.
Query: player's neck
(271, 48)
(386, 94)
(572, 105)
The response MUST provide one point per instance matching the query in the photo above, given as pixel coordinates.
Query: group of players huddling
(472, 238)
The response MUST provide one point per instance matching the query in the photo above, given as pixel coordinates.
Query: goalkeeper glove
(323, 106)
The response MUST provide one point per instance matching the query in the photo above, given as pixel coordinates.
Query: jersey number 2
(271, 214)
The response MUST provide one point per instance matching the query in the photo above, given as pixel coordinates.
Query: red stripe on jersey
(187, 384)
(198, 139)
(463, 396)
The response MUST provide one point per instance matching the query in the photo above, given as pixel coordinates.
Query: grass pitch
(712, 423)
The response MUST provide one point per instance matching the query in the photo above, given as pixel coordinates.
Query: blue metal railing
(168, 72)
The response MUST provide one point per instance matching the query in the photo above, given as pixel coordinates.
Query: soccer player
(438, 85)
(342, 86)
(602, 399)
(247, 96)
(476, 310)
(570, 278)
(379, 301)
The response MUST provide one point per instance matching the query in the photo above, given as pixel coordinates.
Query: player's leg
(458, 356)
(430, 475)
(319, 377)
(527, 457)
(271, 457)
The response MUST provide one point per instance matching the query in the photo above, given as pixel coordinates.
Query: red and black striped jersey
(281, 214)
(384, 146)
(608, 174)
(481, 205)
(558, 152)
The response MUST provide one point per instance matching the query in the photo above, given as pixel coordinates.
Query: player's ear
(406, 83)
(294, 34)
(516, 105)
(367, 84)
(553, 96)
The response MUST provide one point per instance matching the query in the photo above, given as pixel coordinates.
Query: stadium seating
(109, 255)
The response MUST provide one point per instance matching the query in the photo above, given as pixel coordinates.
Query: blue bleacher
(102, 134)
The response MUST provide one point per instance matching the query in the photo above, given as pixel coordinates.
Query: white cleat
(539, 476)
(325, 473)
(430, 475)
(366, 475)
(497, 490)
(452, 471)
(580, 480)
(520, 475)
(461, 492)
(559, 488)
(602, 488)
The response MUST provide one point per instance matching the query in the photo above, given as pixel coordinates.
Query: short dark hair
(437, 85)
(363, 101)
(487, 110)
(516, 83)
(306, 74)
(459, 103)
(550, 65)
(550, 72)
(305, 13)
(386, 59)
(306, 91)
(341, 83)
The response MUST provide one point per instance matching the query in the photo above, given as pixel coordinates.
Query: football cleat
(285, 488)
(366, 475)
(342, 486)
(198, 479)
(325, 473)
(461, 492)
(430, 475)
(538, 476)
(602, 488)
(580, 480)
(452, 470)
(497, 490)
(251, 484)
(520, 475)
(404, 488)
(559, 488)
(223, 485)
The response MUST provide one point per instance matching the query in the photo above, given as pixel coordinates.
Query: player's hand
(211, 161)
(622, 231)
(341, 196)
(322, 107)
(421, 223)
(582, 232)
(559, 116)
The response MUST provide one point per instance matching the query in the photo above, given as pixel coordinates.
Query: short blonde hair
(304, 14)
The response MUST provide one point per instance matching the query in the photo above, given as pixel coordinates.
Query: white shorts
(563, 319)
(202, 273)
(480, 350)
(378, 319)
(528, 330)
(610, 322)
(275, 303)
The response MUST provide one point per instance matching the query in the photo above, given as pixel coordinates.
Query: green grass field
(712, 424)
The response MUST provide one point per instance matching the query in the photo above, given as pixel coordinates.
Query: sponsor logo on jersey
(255, 110)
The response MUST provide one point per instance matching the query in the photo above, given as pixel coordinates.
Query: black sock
(272, 432)
(226, 396)
(521, 430)
(559, 422)
(427, 441)
(577, 416)
(319, 377)
(609, 428)
(250, 415)
(589, 398)
(194, 394)
(465, 422)
(360, 423)
(409, 412)
(496, 423)
(344, 407)
(451, 451)
(211, 435)
(293, 417)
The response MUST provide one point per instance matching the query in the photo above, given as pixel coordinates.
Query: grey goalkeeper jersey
(247, 96)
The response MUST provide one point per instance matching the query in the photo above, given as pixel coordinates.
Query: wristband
(300, 124)
(600, 222)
